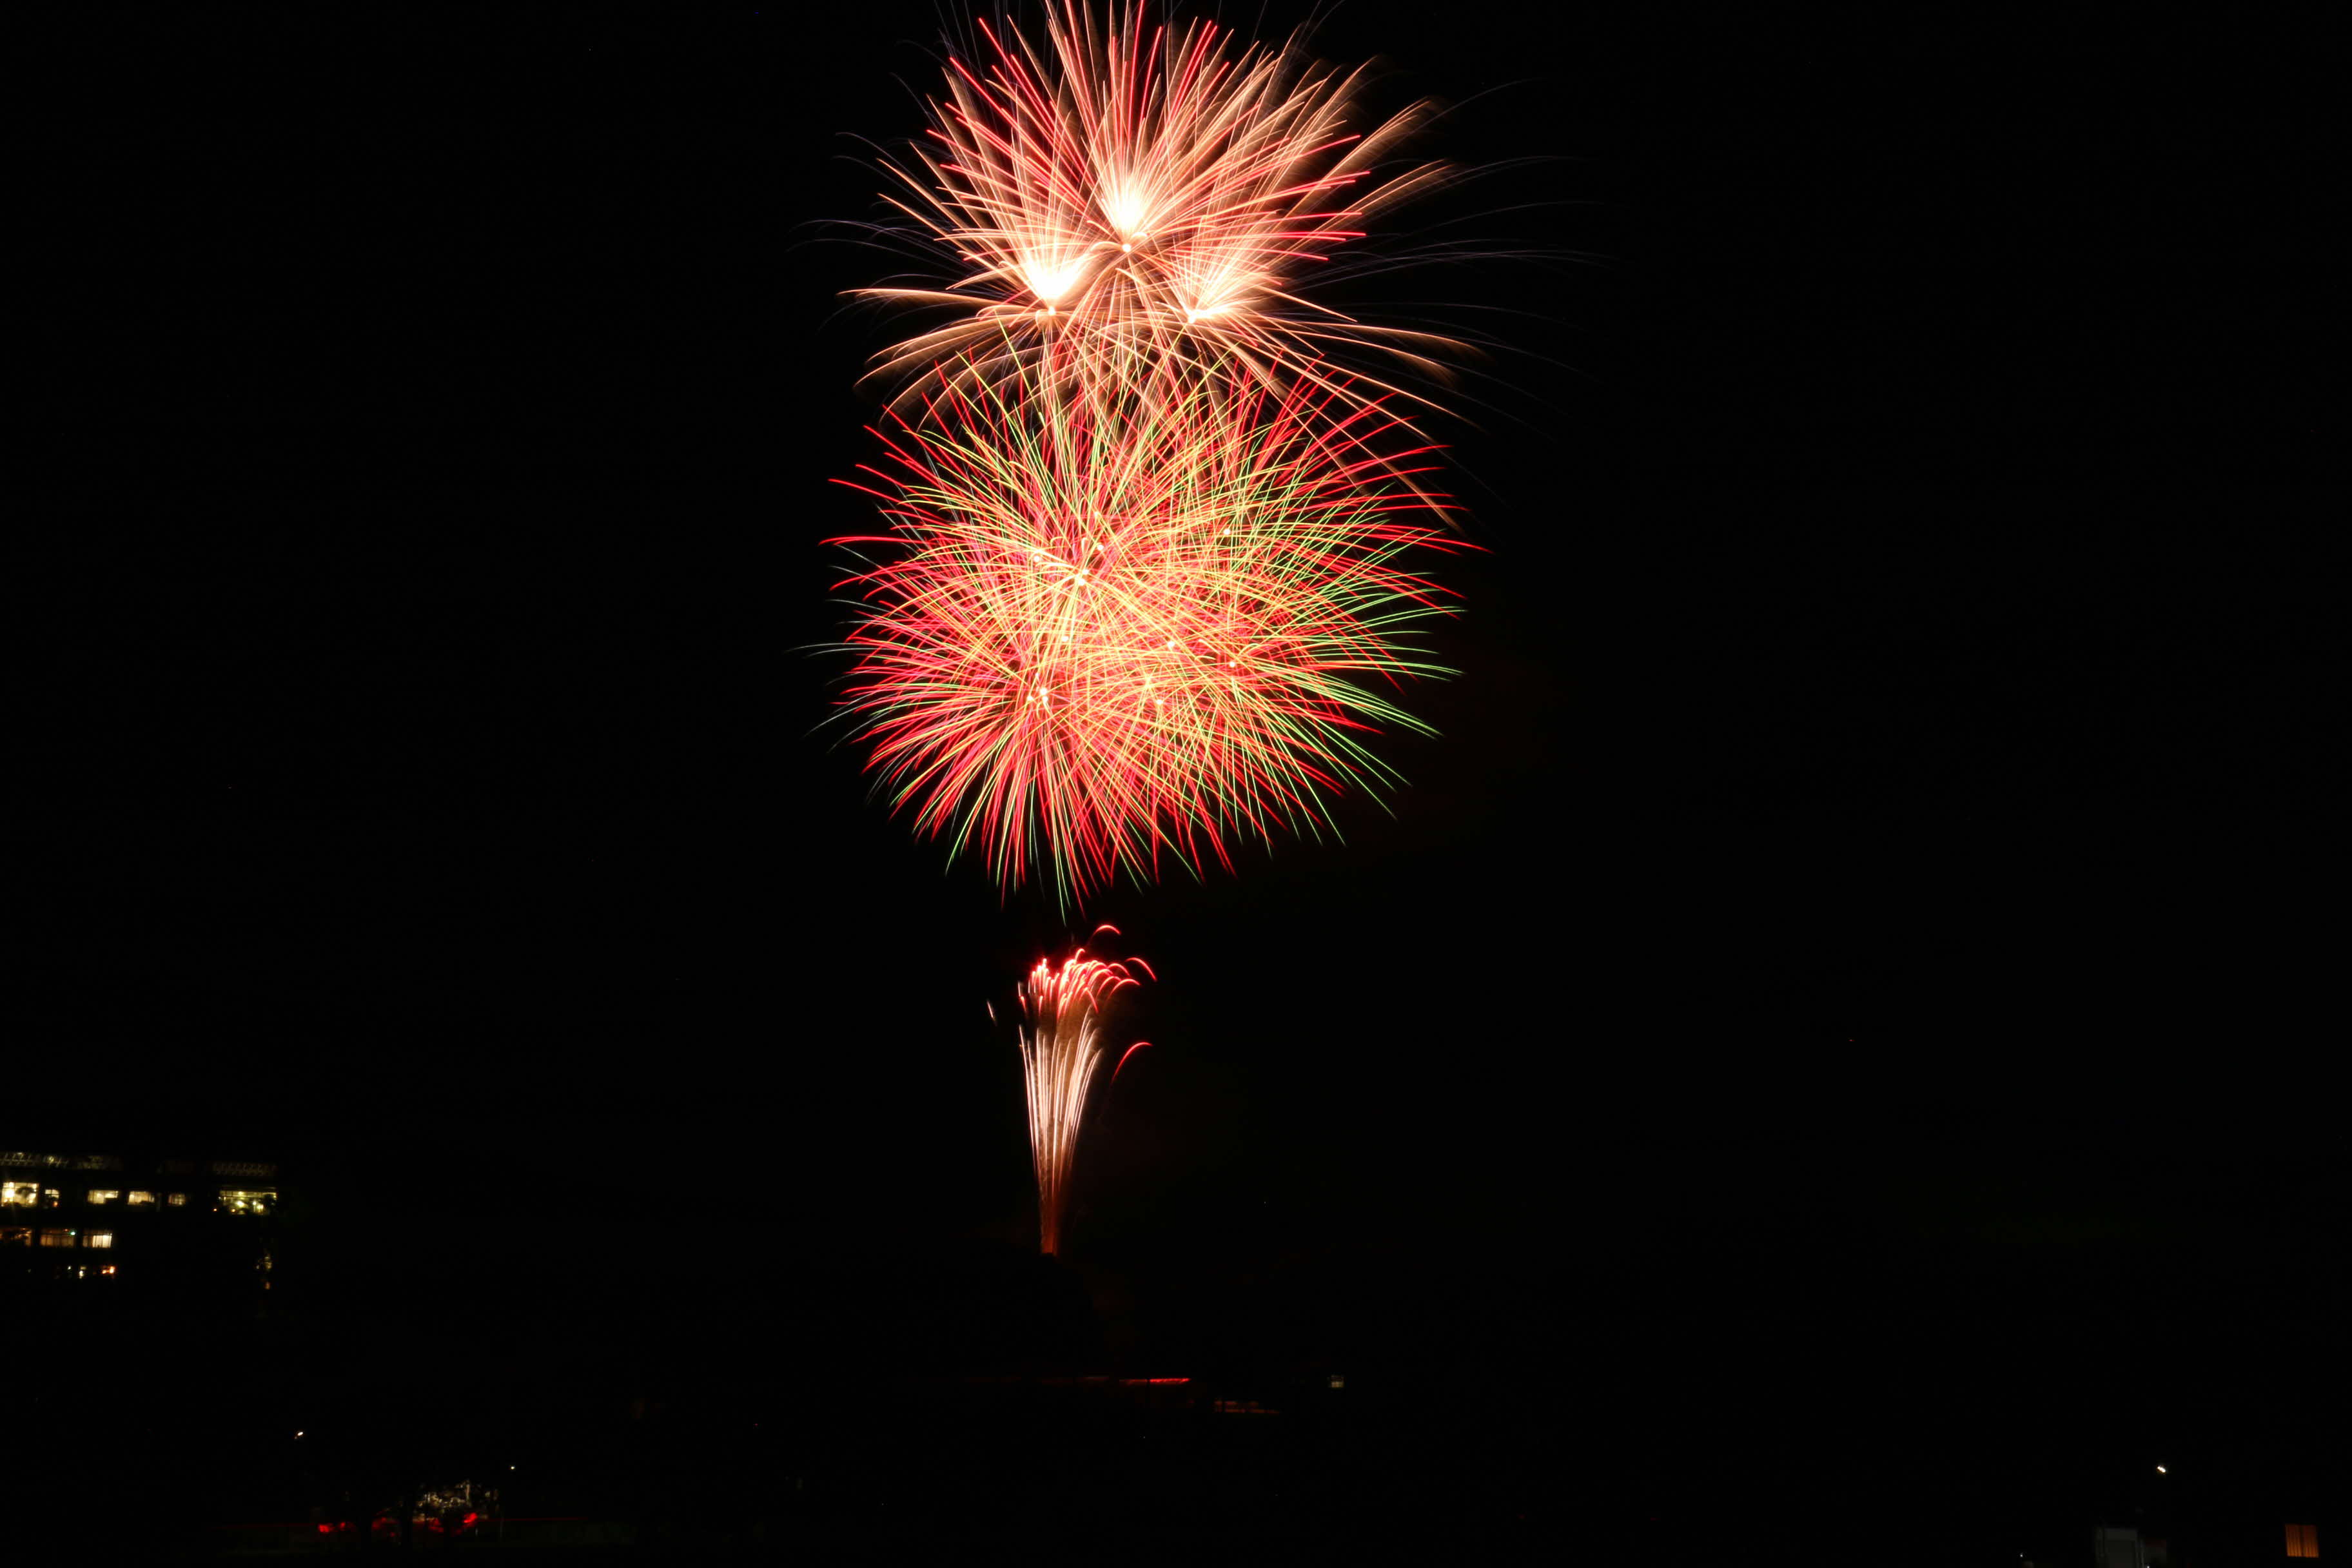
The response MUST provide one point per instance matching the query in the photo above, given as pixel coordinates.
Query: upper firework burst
(1100, 633)
(1132, 206)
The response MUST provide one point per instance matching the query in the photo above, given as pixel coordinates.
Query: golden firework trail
(1061, 1049)
(1135, 206)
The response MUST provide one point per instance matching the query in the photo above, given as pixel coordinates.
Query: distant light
(298, 1434)
(2159, 1470)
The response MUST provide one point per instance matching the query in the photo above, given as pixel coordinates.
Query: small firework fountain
(1061, 1047)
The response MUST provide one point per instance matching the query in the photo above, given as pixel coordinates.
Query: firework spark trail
(1091, 639)
(1134, 206)
(1061, 1049)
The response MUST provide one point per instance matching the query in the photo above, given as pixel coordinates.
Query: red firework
(1095, 637)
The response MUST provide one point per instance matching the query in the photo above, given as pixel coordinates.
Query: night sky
(1833, 1033)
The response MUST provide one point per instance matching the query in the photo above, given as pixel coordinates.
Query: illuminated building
(130, 1225)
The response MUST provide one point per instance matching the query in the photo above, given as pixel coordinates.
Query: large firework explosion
(1095, 637)
(1132, 204)
(1142, 591)
(1061, 1049)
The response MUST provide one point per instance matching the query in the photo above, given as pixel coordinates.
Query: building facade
(102, 1223)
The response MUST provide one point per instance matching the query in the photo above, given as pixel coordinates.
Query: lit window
(175, 1200)
(2303, 1541)
(99, 1238)
(51, 1198)
(20, 1194)
(16, 1235)
(108, 1269)
(248, 1200)
(106, 1194)
(143, 1200)
(57, 1237)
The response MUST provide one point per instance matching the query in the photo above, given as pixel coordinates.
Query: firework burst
(1093, 638)
(1134, 206)
(1061, 1049)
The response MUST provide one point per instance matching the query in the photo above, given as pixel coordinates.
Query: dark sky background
(1839, 1014)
